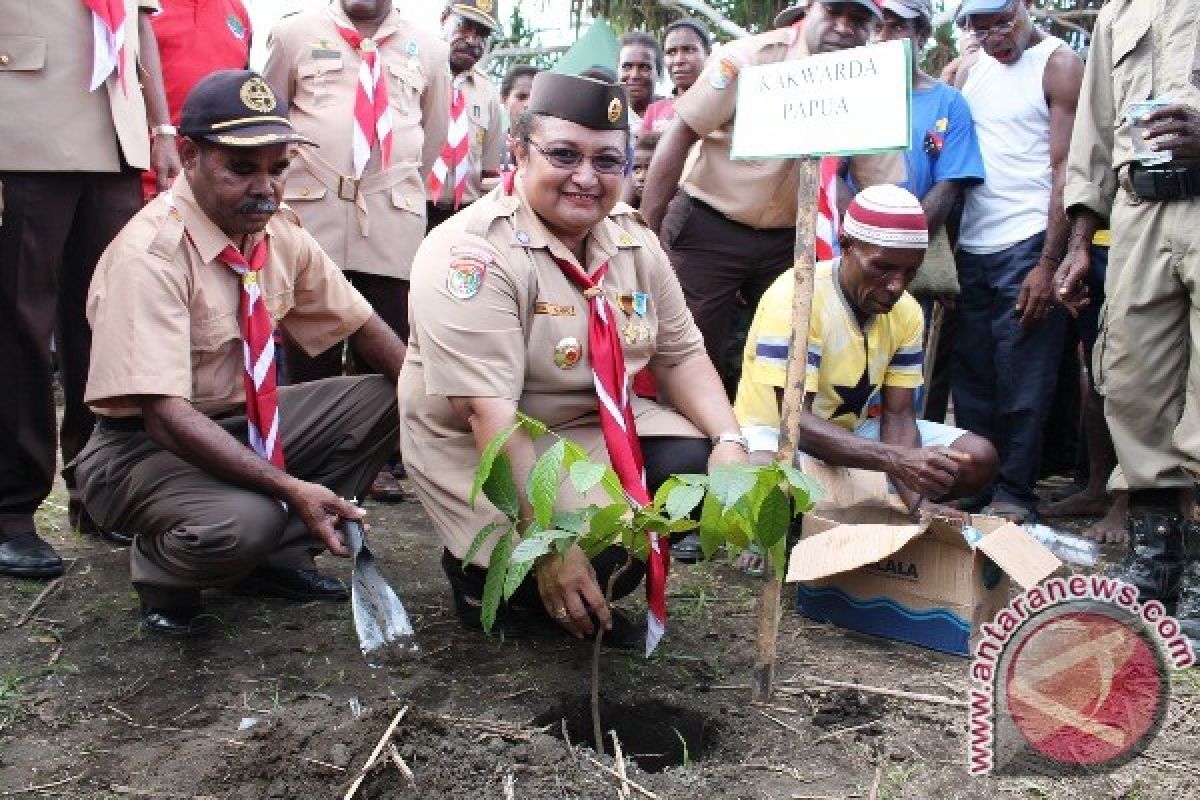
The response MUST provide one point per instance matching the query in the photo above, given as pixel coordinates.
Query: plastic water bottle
(1071, 549)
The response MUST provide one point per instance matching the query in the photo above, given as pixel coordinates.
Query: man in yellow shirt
(864, 340)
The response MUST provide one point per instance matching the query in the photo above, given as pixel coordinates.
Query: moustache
(259, 206)
(473, 50)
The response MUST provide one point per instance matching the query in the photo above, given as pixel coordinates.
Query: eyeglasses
(570, 158)
(1003, 29)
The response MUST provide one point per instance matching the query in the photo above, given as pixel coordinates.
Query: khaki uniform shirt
(164, 310)
(372, 226)
(1141, 49)
(485, 142)
(50, 121)
(510, 338)
(757, 193)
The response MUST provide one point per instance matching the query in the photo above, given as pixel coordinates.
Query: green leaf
(681, 525)
(535, 428)
(493, 584)
(606, 523)
(488, 458)
(730, 482)
(713, 528)
(501, 489)
(575, 521)
(516, 576)
(611, 485)
(543, 483)
(779, 558)
(530, 548)
(691, 479)
(660, 497)
(585, 475)
(740, 531)
(477, 542)
(774, 515)
(683, 501)
(806, 491)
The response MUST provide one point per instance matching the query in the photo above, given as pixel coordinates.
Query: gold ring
(561, 613)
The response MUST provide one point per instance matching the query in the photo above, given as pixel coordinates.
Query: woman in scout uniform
(540, 297)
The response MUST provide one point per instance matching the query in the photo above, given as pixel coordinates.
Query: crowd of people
(232, 272)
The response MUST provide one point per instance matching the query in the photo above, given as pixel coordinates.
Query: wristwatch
(735, 438)
(164, 130)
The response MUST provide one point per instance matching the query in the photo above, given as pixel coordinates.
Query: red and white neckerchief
(451, 165)
(258, 342)
(827, 227)
(620, 431)
(372, 114)
(108, 41)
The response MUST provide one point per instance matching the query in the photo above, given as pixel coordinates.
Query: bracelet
(1052, 259)
(164, 130)
(732, 438)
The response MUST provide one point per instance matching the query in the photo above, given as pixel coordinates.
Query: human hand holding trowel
(382, 624)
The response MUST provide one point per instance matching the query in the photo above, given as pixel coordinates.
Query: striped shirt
(848, 364)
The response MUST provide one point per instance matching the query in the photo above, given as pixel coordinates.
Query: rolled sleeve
(327, 307)
(1090, 179)
(472, 347)
(141, 329)
(678, 339)
(704, 107)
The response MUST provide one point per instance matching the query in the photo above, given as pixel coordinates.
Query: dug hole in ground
(92, 707)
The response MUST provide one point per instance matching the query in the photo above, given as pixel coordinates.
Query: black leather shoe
(509, 624)
(80, 520)
(1154, 563)
(292, 584)
(687, 550)
(178, 622)
(26, 555)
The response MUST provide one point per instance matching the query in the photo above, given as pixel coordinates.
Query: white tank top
(1012, 121)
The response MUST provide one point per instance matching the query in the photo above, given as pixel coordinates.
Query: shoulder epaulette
(170, 233)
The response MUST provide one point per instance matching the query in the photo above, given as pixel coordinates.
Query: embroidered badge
(485, 6)
(724, 71)
(412, 49)
(468, 266)
(641, 302)
(257, 96)
(567, 353)
(235, 26)
(634, 332)
(942, 124)
(522, 238)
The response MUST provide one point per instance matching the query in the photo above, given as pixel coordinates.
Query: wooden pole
(763, 685)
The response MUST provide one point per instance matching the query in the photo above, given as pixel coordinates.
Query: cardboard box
(868, 567)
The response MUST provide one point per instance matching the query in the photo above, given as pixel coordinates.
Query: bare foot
(1111, 529)
(1087, 503)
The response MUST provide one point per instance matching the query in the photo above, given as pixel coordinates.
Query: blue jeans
(1004, 375)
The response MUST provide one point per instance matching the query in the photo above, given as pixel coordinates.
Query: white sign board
(841, 103)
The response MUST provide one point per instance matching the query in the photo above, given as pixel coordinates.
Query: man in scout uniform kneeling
(227, 479)
(864, 340)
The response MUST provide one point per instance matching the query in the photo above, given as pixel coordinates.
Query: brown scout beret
(588, 102)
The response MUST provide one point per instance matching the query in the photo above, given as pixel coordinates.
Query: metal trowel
(383, 628)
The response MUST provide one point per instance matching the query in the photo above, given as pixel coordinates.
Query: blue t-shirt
(944, 147)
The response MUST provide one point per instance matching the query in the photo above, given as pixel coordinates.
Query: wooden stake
(370, 762)
(763, 686)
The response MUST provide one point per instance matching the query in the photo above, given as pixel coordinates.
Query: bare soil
(280, 704)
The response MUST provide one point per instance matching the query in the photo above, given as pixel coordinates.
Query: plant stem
(597, 728)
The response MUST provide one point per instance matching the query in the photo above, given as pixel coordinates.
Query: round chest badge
(465, 277)
(235, 26)
(567, 353)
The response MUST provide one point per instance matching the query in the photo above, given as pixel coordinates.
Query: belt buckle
(347, 188)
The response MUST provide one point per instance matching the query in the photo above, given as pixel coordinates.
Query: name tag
(325, 54)
(553, 310)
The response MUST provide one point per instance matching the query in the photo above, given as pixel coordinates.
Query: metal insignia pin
(522, 237)
(567, 353)
(411, 49)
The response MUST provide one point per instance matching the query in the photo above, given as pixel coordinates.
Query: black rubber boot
(1187, 612)
(1155, 561)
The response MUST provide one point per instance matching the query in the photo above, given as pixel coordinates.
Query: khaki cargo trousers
(196, 530)
(1147, 356)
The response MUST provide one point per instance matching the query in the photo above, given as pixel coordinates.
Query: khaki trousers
(196, 530)
(1146, 358)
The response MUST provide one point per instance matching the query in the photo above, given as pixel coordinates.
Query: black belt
(1164, 184)
(120, 424)
(703, 206)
